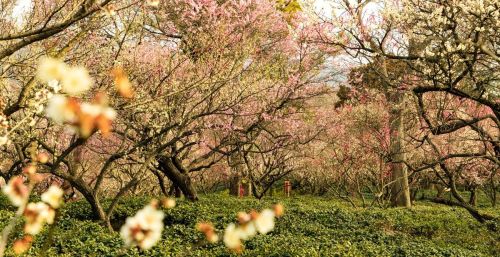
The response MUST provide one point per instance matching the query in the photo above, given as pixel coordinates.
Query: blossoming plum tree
(166, 76)
(448, 48)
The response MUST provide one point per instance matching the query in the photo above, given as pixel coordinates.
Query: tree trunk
(163, 188)
(174, 191)
(234, 185)
(494, 198)
(256, 193)
(400, 191)
(473, 211)
(472, 198)
(94, 202)
(174, 171)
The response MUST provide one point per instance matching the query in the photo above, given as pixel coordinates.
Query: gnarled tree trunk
(174, 171)
(93, 200)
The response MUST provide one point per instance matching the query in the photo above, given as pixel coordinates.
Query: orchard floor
(312, 226)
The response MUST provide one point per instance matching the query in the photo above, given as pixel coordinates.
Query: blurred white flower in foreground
(76, 81)
(144, 229)
(264, 222)
(209, 231)
(95, 110)
(247, 231)
(249, 225)
(36, 215)
(58, 110)
(16, 191)
(232, 237)
(51, 69)
(85, 116)
(53, 196)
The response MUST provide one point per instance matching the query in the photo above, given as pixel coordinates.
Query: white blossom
(264, 223)
(76, 81)
(153, 3)
(36, 215)
(93, 110)
(247, 231)
(55, 86)
(232, 237)
(50, 69)
(16, 191)
(57, 109)
(4, 140)
(53, 196)
(144, 229)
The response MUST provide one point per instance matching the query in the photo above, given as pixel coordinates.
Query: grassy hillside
(311, 227)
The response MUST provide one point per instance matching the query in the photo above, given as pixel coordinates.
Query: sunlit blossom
(16, 191)
(29, 170)
(278, 210)
(93, 110)
(247, 231)
(110, 10)
(53, 196)
(144, 229)
(243, 217)
(76, 81)
(42, 157)
(209, 231)
(50, 69)
(59, 111)
(36, 215)
(122, 83)
(153, 3)
(249, 225)
(22, 245)
(95, 116)
(232, 237)
(264, 222)
(86, 116)
(3, 140)
(109, 113)
(168, 203)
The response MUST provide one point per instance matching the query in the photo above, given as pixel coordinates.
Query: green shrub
(311, 227)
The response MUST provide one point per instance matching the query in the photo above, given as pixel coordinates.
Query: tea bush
(311, 227)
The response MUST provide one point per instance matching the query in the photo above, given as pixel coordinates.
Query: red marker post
(288, 188)
(241, 191)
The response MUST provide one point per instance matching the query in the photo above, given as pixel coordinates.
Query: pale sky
(21, 7)
(322, 7)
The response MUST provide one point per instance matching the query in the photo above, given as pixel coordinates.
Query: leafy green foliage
(311, 227)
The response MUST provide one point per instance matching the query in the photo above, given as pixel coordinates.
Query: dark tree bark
(161, 182)
(472, 198)
(473, 211)
(174, 171)
(174, 191)
(93, 200)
